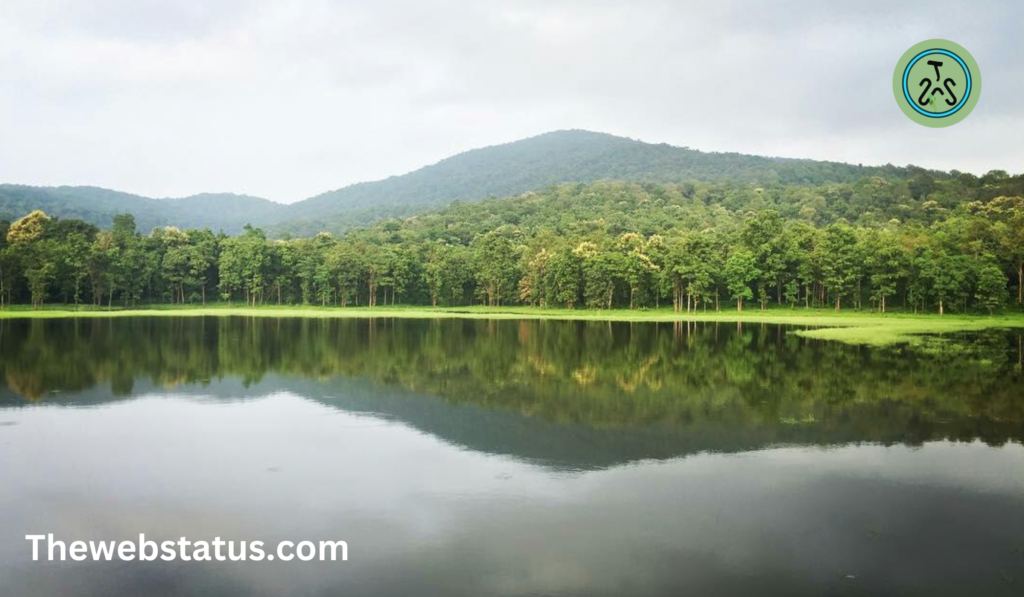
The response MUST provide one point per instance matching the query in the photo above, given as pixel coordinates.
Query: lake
(470, 457)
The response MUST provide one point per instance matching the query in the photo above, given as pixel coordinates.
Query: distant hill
(551, 158)
(217, 211)
(497, 171)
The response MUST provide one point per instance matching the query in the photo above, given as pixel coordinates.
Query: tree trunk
(838, 302)
(1020, 281)
(941, 310)
(739, 304)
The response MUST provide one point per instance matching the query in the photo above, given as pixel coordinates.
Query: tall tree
(1010, 234)
(839, 267)
(5, 262)
(991, 287)
(494, 257)
(884, 264)
(740, 271)
(764, 235)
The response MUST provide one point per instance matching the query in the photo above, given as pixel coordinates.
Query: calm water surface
(512, 458)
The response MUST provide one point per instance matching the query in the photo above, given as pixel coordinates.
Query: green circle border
(937, 44)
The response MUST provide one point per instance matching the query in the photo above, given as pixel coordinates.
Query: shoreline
(850, 327)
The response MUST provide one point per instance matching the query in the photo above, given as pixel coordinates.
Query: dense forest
(499, 171)
(917, 244)
(552, 158)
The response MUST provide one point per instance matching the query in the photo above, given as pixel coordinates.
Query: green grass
(852, 327)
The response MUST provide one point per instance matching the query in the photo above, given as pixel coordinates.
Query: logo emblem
(937, 83)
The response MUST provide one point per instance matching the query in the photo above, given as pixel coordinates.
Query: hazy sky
(286, 99)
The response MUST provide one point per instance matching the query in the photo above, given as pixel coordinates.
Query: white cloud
(286, 100)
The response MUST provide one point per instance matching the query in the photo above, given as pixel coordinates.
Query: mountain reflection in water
(569, 394)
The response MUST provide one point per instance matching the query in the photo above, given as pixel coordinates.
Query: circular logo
(937, 83)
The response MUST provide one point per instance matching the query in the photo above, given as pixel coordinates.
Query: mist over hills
(217, 211)
(496, 171)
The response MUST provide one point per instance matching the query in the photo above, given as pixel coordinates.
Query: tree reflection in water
(682, 386)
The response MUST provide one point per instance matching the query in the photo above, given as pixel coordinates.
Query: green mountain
(551, 158)
(217, 211)
(498, 171)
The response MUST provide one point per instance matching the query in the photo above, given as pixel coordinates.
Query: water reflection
(424, 518)
(572, 394)
(512, 458)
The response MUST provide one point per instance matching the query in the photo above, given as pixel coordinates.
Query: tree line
(918, 245)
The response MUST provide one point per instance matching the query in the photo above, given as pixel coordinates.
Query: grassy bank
(852, 327)
(849, 327)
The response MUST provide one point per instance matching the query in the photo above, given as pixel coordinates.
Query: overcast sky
(287, 99)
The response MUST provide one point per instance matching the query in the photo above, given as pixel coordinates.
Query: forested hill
(217, 211)
(919, 244)
(551, 158)
(498, 171)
